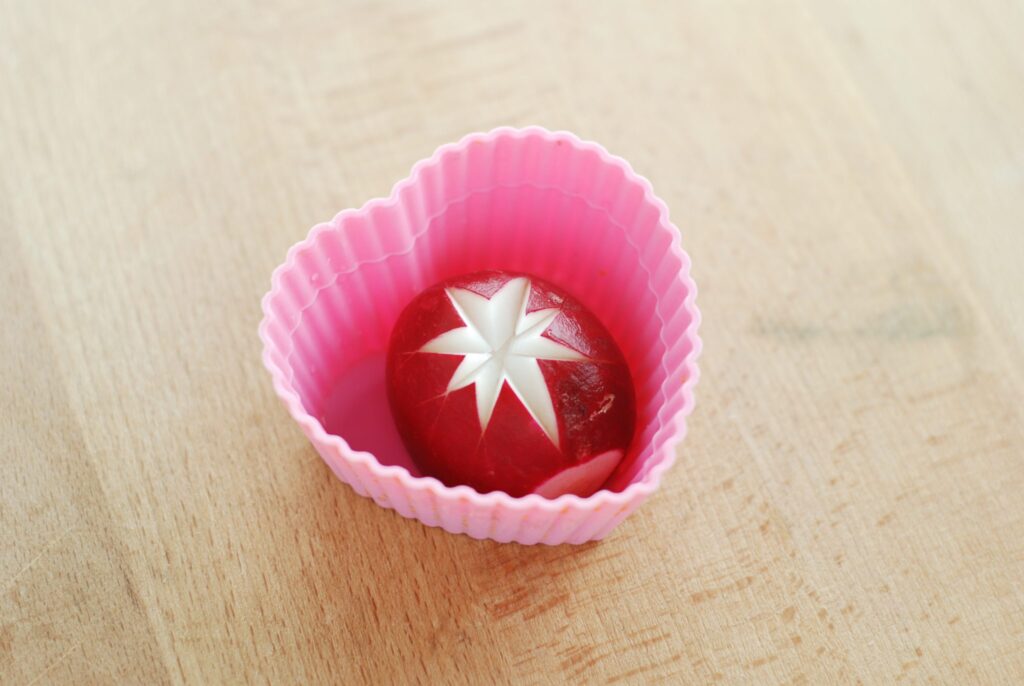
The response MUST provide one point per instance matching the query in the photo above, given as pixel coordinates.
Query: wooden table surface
(848, 506)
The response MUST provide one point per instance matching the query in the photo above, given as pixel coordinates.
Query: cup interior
(582, 224)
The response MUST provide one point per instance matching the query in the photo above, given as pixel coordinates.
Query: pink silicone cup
(526, 200)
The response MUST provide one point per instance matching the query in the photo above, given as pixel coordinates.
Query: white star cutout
(501, 343)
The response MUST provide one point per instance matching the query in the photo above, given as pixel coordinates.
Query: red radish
(504, 382)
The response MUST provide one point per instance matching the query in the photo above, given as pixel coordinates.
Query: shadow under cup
(339, 343)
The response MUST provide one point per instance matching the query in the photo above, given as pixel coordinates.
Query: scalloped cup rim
(663, 459)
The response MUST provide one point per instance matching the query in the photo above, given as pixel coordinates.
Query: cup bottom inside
(357, 409)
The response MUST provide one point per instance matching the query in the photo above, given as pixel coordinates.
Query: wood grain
(849, 179)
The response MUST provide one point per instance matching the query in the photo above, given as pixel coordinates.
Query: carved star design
(501, 343)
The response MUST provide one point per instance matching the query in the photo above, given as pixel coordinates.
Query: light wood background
(849, 504)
